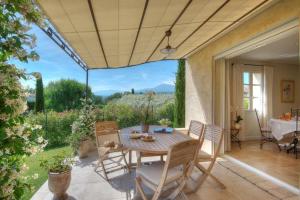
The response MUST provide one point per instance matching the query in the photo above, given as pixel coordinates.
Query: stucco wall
(199, 66)
(284, 72)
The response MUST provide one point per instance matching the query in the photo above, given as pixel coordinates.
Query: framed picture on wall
(287, 91)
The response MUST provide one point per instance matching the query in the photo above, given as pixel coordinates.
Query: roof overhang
(120, 33)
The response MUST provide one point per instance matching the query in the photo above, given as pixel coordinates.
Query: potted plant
(165, 122)
(237, 124)
(59, 174)
(146, 111)
(83, 129)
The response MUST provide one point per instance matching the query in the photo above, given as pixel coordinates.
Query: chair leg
(279, 148)
(217, 180)
(177, 191)
(261, 143)
(208, 173)
(157, 193)
(104, 171)
(161, 158)
(127, 166)
(139, 189)
(97, 165)
(139, 160)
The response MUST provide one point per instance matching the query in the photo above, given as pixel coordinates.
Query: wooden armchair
(176, 169)
(110, 150)
(266, 133)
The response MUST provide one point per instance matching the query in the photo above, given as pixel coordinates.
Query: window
(252, 90)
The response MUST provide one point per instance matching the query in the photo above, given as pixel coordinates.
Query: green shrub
(125, 115)
(128, 115)
(166, 111)
(83, 127)
(57, 126)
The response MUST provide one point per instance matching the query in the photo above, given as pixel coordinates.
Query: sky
(55, 64)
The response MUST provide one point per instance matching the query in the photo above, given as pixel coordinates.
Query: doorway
(247, 78)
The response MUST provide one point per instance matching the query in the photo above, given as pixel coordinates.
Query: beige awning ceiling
(118, 33)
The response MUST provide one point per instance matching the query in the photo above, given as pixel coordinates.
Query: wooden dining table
(160, 145)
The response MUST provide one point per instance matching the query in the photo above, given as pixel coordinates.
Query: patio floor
(241, 184)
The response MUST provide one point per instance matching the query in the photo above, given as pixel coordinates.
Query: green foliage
(98, 100)
(165, 122)
(145, 110)
(64, 95)
(124, 114)
(58, 163)
(132, 90)
(126, 110)
(166, 111)
(114, 96)
(17, 140)
(238, 119)
(83, 127)
(30, 105)
(39, 95)
(56, 125)
(179, 110)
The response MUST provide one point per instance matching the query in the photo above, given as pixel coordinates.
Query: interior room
(264, 86)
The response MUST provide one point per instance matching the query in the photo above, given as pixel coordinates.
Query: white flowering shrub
(83, 127)
(17, 139)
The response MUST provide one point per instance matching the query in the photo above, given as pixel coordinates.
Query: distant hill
(162, 88)
(106, 93)
(138, 99)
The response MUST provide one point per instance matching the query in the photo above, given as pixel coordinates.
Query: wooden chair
(196, 128)
(266, 134)
(214, 135)
(107, 132)
(176, 169)
(295, 144)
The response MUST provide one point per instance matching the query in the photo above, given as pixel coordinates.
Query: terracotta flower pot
(58, 184)
(145, 128)
(84, 148)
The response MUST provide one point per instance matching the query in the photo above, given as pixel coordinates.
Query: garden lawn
(33, 163)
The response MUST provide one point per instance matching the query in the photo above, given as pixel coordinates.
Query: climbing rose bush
(17, 138)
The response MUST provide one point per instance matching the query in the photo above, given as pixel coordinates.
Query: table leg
(130, 158)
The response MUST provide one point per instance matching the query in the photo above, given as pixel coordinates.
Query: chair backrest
(215, 135)
(295, 112)
(106, 131)
(196, 128)
(182, 154)
(258, 121)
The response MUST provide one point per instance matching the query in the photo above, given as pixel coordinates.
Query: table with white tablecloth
(280, 127)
